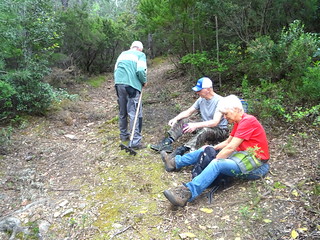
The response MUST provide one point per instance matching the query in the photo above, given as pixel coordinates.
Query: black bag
(203, 161)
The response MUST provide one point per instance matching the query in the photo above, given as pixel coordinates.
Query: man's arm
(229, 148)
(184, 114)
(223, 144)
(142, 69)
(211, 123)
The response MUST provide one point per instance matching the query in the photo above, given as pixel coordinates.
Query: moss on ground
(130, 188)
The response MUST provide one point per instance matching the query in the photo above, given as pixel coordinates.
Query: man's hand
(190, 128)
(172, 122)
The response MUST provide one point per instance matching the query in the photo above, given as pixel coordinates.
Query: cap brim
(196, 89)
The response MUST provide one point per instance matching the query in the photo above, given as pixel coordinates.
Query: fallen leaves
(295, 193)
(294, 234)
(187, 235)
(267, 220)
(206, 210)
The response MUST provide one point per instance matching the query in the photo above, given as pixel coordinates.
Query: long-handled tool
(129, 148)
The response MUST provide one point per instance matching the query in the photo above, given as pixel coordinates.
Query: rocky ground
(63, 176)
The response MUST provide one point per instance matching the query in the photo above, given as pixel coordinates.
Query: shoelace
(182, 193)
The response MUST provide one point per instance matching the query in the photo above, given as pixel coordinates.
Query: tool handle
(135, 118)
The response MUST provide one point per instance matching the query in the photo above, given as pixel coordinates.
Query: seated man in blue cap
(211, 129)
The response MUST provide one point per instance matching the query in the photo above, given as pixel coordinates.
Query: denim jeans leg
(188, 159)
(259, 172)
(210, 173)
(123, 112)
(132, 109)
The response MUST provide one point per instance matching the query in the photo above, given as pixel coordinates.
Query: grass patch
(129, 191)
(97, 81)
(158, 60)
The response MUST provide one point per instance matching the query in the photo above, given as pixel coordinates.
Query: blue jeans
(211, 172)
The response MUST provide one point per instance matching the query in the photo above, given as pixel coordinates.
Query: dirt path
(65, 177)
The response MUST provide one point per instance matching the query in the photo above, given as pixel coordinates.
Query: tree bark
(65, 4)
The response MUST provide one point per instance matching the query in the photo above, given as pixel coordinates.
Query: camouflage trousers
(201, 137)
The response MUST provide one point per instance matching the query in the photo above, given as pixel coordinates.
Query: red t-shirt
(251, 131)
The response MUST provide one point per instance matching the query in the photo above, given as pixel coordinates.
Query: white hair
(137, 44)
(230, 102)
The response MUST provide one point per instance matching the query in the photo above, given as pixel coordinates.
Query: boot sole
(157, 150)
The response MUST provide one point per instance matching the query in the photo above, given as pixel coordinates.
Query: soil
(64, 175)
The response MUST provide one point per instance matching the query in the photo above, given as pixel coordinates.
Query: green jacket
(131, 69)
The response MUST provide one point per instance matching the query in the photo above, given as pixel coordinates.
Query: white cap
(137, 44)
(202, 83)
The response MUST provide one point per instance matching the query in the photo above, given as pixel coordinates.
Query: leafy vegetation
(234, 40)
(283, 72)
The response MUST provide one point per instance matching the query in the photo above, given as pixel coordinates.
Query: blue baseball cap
(202, 83)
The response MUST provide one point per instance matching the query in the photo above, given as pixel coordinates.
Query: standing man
(130, 76)
(212, 127)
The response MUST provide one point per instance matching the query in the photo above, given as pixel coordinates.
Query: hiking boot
(178, 196)
(165, 145)
(168, 161)
(180, 151)
(139, 146)
(124, 139)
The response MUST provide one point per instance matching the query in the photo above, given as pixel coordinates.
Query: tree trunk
(150, 46)
(65, 4)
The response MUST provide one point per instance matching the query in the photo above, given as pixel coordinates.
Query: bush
(260, 60)
(199, 61)
(266, 100)
(203, 63)
(32, 96)
(6, 94)
(310, 89)
(288, 58)
(269, 102)
(296, 48)
(302, 115)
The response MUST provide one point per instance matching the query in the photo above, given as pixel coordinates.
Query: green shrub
(60, 94)
(6, 94)
(287, 58)
(32, 96)
(310, 89)
(296, 49)
(269, 101)
(305, 114)
(199, 61)
(260, 60)
(265, 100)
(24, 92)
(204, 64)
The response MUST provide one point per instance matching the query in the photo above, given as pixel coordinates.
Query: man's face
(203, 92)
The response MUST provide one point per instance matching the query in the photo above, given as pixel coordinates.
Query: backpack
(222, 181)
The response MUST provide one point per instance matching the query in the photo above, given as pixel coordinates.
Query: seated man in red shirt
(243, 154)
